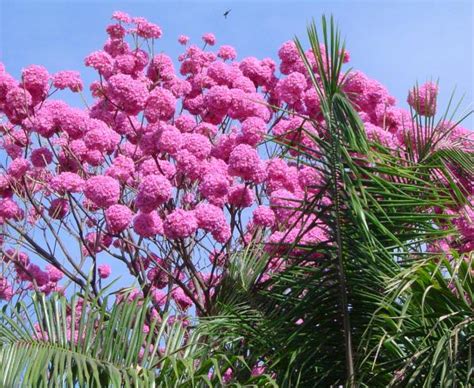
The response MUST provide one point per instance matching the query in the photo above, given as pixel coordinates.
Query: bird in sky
(226, 13)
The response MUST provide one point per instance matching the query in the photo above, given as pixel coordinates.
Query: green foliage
(108, 347)
(427, 325)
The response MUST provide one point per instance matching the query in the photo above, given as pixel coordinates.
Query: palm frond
(77, 343)
(82, 342)
(428, 324)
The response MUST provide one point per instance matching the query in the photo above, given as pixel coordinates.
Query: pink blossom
(280, 243)
(283, 203)
(244, 161)
(116, 31)
(140, 263)
(291, 89)
(159, 297)
(214, 186)
(6, 291)
(381, 136)
(17, 257)
(346, 56)
(289, 56)
(158, 276)
(245, 85)
(67, 182)
(116, 47)
(35, 273)
(189, 165)
(161, 68)
(35, 79)
(253, 130)
(68, 79)
(197, 145)
(104, 271)
(18, 137)
(141, 60)
(55, 275)
(73, 121)
(194, 105)
(183, 39)
(179, 87)
(18, 168)
(125, 125)
(218, 99)
(423, 99)
(5, 189)
(18, 104)
(312, 103)
(160, 105)
(158, 167)
(241, 196)
(206, 129)
(264, 216)
(118, 218)
(180, 224)
(122, 168)
(281, 176)
(465, 223)
(225, 145)
(121, 17)
(154, 190)
(245, 104)
(310, 178)
(259, 72)
(100, 61)
(9, 209)
(103, 191)
(221, 73)
(227, 53)
(209, 217)
(125, 64)
(181, 299)
(59, 208)
(185, 123)
(41, 157)
(7, 82)
(145, 29)
(209, 39)
(127, 93)
(170, 140)
(148, 224)
(94, 157)
(13, 150)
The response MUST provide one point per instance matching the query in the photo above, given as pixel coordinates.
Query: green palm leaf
(55, 343)
(428, 324)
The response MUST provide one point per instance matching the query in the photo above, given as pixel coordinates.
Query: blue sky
(395, 42)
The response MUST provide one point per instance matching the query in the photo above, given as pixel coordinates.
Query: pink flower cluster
(172, 163)
(28, 276)
(423, 99)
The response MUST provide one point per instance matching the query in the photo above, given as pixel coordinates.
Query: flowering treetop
(168, 172)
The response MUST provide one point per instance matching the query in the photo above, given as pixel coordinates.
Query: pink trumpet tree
(168, 171)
